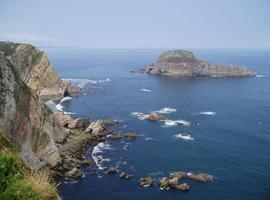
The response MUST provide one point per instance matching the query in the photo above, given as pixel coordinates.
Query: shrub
(16, 183)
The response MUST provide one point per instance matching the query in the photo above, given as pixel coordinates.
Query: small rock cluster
(173, 181)
(122, 175)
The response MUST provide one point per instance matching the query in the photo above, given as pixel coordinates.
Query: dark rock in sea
(154, 117)
(75, 173)
(114, 136)
(203, 177)
(166, 183)
(149, 139)
(124, 175)
(130, 135)
(147, 181)
(183, 187)
(111, 170)
(184, 63)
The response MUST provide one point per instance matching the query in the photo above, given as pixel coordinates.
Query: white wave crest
(139, 115)
(65, 99)
(59, 107)
(145, 90)
(83, 82)
(260, 76)
(184, 136)
(165, 110)
(69, 113)
(97, 151)
(208, 113)
(176, 122)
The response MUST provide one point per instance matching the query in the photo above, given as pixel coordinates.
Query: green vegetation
(18, 183)
(8, 48)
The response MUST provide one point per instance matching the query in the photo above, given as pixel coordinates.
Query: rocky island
(183, 63)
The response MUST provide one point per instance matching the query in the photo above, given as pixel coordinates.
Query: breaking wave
(184, 136)
(96, 154)
(60, 107)
(165, 110)
(208, 113)
(83, 82)
(260, 75)
(168, 123)
(139, 115)
(145, 90)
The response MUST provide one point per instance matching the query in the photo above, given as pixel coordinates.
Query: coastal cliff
(184, 63)
(35, 70)
(42, 138)
(25, 122)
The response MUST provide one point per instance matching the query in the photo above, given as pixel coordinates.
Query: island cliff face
(184, 63)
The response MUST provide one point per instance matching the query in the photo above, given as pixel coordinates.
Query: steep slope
(25, 122)
(35, 69)
(184, 63)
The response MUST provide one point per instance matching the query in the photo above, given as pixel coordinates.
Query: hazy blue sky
(137, 23)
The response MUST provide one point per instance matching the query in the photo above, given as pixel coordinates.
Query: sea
(226, 122)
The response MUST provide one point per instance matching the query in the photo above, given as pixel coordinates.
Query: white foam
(139, 115)
(59, 107)
(176, 122)
(69, 113)
(166, 110)
(83, 82)
(260, 76)
(126, 146)
(184, 136)
(145, 90)
(208, 113)
(65, 99)
(189, 173)
(98, 150)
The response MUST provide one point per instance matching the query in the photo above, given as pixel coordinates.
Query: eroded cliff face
(25, 122)
(35, 69)
(184, 63)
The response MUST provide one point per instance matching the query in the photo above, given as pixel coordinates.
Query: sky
(137, 23)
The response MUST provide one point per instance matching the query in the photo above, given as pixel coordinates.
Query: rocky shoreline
(183, 63)
(51, 140)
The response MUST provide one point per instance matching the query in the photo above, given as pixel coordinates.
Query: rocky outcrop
(42, 138)
(35, 70)
(154, 117)
(130, 135)
(147, 181)
(184, 63)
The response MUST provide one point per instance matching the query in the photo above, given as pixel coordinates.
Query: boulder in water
(147, 181)
(154, 117)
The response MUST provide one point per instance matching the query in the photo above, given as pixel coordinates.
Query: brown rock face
(25, 121)
(147, 181)
(35, 70)
(184, 63)
(154, 117)
(79, 123)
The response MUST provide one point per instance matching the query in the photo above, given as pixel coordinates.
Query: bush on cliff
(16, 183)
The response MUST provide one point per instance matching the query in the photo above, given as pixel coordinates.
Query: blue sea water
(233, 144)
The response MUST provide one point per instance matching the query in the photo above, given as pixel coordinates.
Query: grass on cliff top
(18, 183)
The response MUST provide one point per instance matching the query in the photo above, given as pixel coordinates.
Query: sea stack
(184, 63)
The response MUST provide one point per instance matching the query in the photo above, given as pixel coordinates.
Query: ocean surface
(228, 120)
